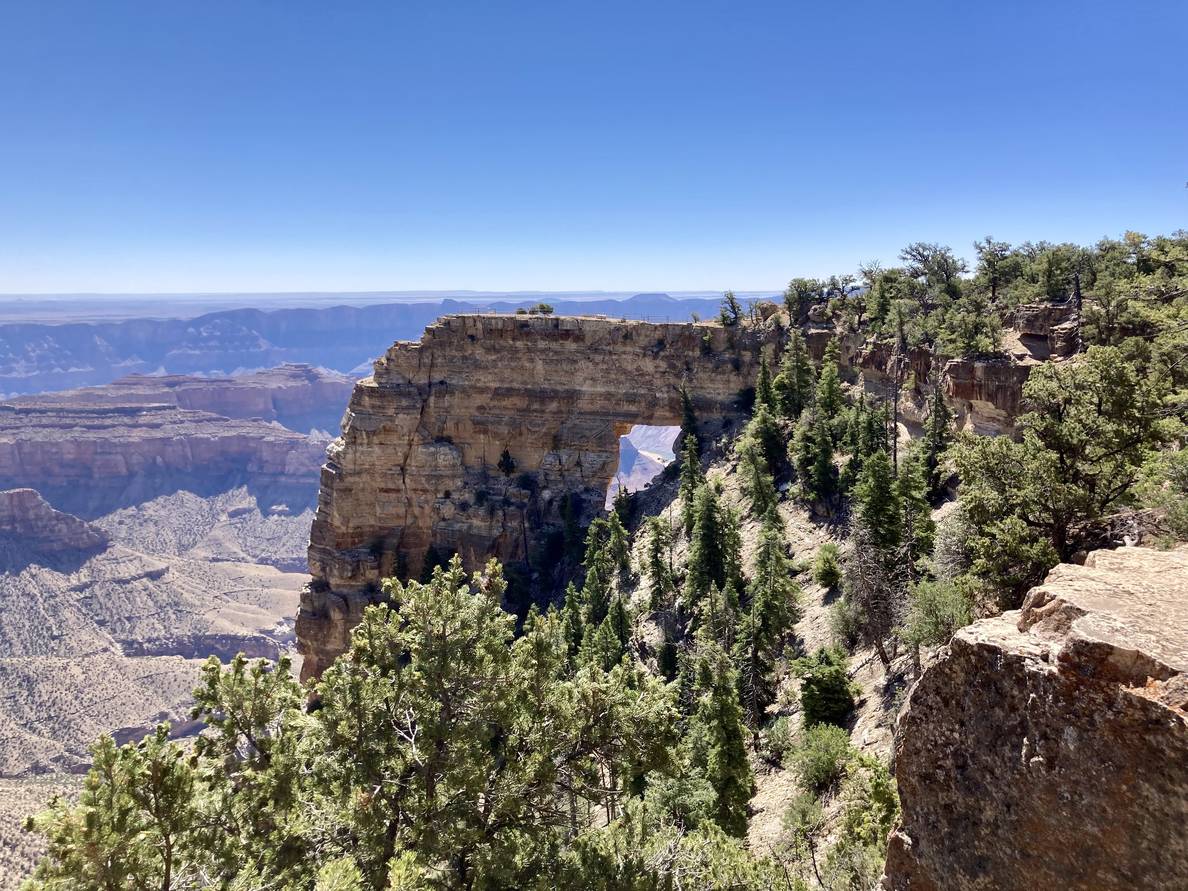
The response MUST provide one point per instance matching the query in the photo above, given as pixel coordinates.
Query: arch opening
(644, 451)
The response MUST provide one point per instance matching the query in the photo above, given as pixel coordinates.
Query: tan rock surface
(418, 464)
(1048, 747)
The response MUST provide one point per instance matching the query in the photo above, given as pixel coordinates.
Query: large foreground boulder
(1048, 747)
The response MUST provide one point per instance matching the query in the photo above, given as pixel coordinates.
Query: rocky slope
(1048, 747)
(299, 397)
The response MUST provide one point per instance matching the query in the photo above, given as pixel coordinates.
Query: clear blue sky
(175, 145)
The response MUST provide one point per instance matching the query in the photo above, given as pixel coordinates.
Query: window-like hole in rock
(643, 453)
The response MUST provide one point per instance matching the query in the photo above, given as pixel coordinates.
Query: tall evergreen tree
(877, 503)
(764, 394)
(829, 401)
(937, 436)
(658, 562)
(692, 479)
(793, 386)
(713, 549)
(757, 480)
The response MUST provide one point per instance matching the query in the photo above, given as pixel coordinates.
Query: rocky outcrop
(1048, 747)
(485, 436)
(1053, 324)
(29, 527)
(298, 396)
(90, 460)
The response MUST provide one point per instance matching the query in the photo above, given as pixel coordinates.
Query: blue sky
(184, 146)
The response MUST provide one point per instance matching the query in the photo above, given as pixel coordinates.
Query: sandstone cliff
(1048, 747)
(483, 437)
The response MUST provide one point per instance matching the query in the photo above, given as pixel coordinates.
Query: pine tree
(911, 489)
(793, 386)
(829, 401)
(757, 480)
(719, 747)
(765, 432)
(823, 475)
(937, 436)
(618, 545)
(714, 547)
(877, 503)
(764, 394)
(692, 479)
(658, 562)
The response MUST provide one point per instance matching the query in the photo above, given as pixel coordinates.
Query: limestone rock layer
(1048, 747)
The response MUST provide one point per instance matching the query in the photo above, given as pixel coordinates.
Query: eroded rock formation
(30, 528)
(1048, 747)
(482, 438)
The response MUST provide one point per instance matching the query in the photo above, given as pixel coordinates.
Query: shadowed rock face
(31, 530)
(1048, 747)
(421, 464)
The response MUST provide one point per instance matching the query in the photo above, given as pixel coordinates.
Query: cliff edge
(1048, 747)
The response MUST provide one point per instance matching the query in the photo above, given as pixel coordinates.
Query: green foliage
(793, 386)
(757, 481)
(691, 480)
(658, 562)
(1164, 486)
(730, 314)
(820, 759)
(938, 608)
(937, 437)
(828, 400)
(714, 546)
(764, 393)
(1089, 427)
(827, 566)
(877, 503)
(763, 431)
(826, 692)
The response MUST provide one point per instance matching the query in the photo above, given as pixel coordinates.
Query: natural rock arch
(418, 468)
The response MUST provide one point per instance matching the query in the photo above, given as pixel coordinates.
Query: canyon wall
(1048, 746)
(92, 459)
(489, 434)
(300, 397)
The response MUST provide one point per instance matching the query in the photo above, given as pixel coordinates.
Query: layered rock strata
(487, 436)
(90, 460)
(300, 397)
(1048, 747)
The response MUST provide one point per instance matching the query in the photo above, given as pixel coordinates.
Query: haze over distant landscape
(670, 445)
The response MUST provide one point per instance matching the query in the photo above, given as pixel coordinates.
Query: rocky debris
(1048, 747)
(300, 397)
(30, 529)
(92, 459)
(481, 438)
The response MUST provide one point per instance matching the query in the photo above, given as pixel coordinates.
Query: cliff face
(1048, 747)
(421, 465)
(90, 460)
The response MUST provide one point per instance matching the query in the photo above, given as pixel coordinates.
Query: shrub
(777, 740)
(827, 567)
(825, 690)
(937, 610)
(507, 463)
(844, 623)
(821, 758)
